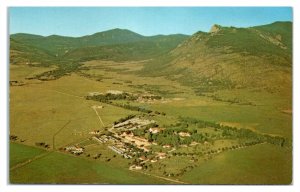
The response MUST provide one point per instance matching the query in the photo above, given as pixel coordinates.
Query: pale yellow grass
(38, 111)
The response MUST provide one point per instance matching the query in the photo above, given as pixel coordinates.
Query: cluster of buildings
(74, 150)
(139, 142)
(117, 145)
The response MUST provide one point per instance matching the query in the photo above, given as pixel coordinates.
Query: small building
(128, 134)
(155, 130)
(77, 152)
(115, 149)
(127, 156)
(135, 167)
(161, 155)
(70, 148)
(167, 146)
(153, 160)
(100, 140)
(143, 158)
(74, 149)
(184, 134)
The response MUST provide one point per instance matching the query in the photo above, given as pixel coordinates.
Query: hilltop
(101, 45)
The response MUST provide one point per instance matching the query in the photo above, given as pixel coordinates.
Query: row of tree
(109, 96)
(233, 132)
(123, 119)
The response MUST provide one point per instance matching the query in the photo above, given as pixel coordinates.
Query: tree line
(234, 132)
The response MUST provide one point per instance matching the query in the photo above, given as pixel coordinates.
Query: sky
(80, 21)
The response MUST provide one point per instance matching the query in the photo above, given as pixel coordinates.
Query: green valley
(117, 107)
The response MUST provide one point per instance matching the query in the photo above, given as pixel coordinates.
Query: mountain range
(223, 58)
(102, 45)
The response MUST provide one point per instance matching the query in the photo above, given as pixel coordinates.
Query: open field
(66, 169)
(63, 115)
(265, 119)
(261, 164)
(20, 153)
(21, 72)
(52, 105)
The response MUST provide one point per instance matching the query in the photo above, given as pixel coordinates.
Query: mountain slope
(146, 48)
(25, 54)
(229, 57)
(281, 30)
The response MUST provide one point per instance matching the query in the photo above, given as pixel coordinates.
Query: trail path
(30, 160)
(94, 108)
(68, 94)
(167, 179)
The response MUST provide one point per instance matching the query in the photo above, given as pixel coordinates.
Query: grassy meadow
(261, 164)
(20, 153)
(40, 109)
(67, 169)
